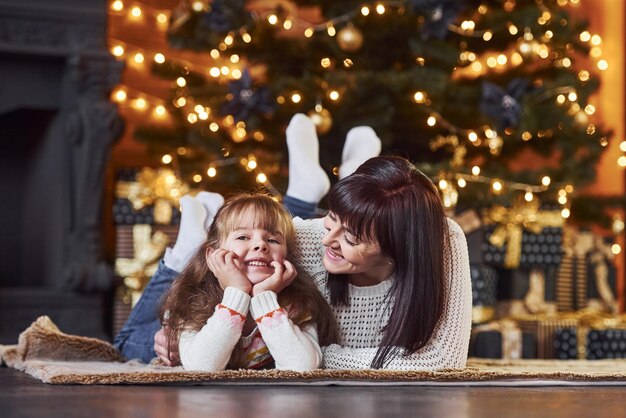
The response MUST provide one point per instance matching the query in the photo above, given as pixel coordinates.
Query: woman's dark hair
(193, 295)
(390, 201)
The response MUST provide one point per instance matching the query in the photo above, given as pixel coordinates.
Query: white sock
(307, 180)
(361, 144)
(191, 233)
(211, 202)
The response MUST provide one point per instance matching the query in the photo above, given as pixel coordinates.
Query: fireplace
(57, 126)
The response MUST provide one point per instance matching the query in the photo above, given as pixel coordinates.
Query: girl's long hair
(194, 294)
(388, 200)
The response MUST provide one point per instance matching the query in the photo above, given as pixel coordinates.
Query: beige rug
(51, 356)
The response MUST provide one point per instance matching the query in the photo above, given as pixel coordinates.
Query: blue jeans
(136, 339)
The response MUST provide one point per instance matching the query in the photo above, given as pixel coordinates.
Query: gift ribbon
(511, 225)
(160, 188)
(147, 250)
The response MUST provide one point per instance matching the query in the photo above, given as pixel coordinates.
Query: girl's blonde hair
(195, 293)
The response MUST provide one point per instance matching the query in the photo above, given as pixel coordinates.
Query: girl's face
(255, 249)
(345, 254)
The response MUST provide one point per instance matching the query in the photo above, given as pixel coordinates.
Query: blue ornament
(224, 16)
(247, 99)
(503, 106)
(438, 15)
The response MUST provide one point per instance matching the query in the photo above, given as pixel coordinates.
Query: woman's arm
(210, 348)
(292, 347)
(448, 346)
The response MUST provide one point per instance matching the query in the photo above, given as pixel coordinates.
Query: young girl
(239, 303)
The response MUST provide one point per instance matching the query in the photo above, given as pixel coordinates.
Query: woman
(394, 270)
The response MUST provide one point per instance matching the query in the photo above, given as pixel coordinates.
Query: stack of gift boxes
(146, 215)
(541, 289)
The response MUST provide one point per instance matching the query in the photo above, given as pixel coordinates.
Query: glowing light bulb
(565, 212)
(365, 10)
(461, 182)
(181, 82)
(475, 170)
(419, 97)
(261, 178)
(528, 196)
(159, 110)
(161, 18)
(585, 36)
(118, 50)
(431, 121)
(380, 9)
(141, 103)
(246, 37)
(166, 159)
(120, 95)
(443, 184)
(616, 249)
(334, 95)
(136, 11)
(603, 65)
(497, 186)
(159, 58)
(117, 5)
(296, 98)
(139, 58)
(546, 181)
(272, 19)
(211, 172)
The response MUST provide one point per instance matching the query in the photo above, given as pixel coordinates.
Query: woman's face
(345, 254)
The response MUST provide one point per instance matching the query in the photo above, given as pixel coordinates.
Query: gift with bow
(512, 223)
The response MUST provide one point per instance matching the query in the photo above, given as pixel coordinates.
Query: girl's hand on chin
(226, 266)
(283, 275)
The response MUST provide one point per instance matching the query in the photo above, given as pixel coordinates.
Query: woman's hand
(160, 347)
(227, 268)
(283, 275)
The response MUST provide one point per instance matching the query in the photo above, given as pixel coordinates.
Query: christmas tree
(490, 98)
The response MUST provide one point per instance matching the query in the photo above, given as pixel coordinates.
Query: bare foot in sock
(361, 144)
(307, 180)
(191, 233)
(211, 202)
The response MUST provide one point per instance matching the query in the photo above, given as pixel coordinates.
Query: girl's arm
(210, 348)
(292, 347)
(448, 346)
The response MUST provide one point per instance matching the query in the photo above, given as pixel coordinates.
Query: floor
(23, 396)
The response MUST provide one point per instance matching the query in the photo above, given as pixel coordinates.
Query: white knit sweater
(291, 347)
(361, 322)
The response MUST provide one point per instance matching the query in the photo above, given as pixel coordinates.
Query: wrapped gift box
(606, 344)
(484, 287)
(587, 275)
(501, 339)
(544, 330)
